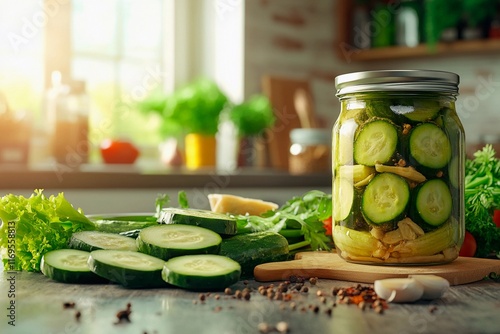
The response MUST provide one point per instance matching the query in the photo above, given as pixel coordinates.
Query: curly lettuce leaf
(35, 225)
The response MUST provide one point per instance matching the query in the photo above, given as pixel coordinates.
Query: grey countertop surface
(38, 308)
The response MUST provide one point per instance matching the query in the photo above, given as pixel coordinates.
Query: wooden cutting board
(329, 265)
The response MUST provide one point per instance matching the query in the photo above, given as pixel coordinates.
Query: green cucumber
(128, 268)
(380, 108)
(343, 198)
(375, 142)
(218, 222)
(423, 110)
(168, 241)
(201, 272)
(68, 266)
(122, 223)
(429, 146)
(385, 199)
(433, 202)
(252, 249)
(93, 240)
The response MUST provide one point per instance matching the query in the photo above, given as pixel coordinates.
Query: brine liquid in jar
(398, 168)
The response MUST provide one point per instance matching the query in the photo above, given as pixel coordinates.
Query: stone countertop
(38, 308)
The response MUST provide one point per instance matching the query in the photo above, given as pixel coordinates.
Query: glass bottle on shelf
(70, 144)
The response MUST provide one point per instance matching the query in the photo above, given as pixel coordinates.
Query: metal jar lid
(397, 81)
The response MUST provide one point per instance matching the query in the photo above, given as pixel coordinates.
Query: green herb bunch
(253, 116)
(193, 108)
(482, 196)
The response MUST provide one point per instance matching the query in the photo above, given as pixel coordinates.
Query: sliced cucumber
(424, 110)
(168, 241)
(93, 240)
(252, 249)
(433, 202)
(201, 272)
(217, 222)
(122, 223)
(375, 142)
(385, 198)
(380, 108)
(128, 268)
(343, 198)
(429, 146)
(68, 266)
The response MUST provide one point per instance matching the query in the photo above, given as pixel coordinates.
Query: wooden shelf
(348, 52)
(442, 49)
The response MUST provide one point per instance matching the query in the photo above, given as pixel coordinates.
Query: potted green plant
(251, 118)
(192, 113)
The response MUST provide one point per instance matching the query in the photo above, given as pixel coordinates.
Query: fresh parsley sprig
(306, 213)
(482, 196)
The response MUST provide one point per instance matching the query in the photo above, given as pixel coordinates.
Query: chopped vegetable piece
(201, 272)
(128, 268)
(167, 241)
(375, 142)
(68, 266)
(385, 198)
(93, 240)
(218, 222)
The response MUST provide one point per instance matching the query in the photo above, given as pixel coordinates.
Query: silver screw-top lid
(397, 81)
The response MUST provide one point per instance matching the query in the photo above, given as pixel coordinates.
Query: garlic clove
(399, 290)
(434, 286)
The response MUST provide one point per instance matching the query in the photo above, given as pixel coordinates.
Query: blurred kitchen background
(215, 87)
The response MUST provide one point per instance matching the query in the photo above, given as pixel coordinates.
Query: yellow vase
(200, 150)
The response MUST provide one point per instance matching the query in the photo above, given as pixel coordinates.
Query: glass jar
(398, 168)
(309, 151)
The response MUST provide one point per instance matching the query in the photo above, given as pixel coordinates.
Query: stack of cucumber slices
(177, 254)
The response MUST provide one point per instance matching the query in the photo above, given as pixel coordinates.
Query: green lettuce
(32, 226)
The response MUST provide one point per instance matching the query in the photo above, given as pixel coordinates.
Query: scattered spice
(67, 305)
(217, 297)
(433, 309)
(304, 289)
(201, 297)
(228, 291)
(78, 315)
(124, 315)
(328, 311)
(217, 309)
(246, 294)
(313, 280)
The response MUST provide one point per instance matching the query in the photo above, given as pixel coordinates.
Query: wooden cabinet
(347, 51)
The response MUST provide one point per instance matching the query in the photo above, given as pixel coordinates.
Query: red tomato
(116, 151)
(327, 224)
(469, 246)
(496, 217)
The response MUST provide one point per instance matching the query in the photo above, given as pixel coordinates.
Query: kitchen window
(118, 47)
